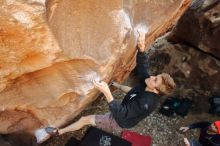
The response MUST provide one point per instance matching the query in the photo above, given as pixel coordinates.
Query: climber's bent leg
(83, 121)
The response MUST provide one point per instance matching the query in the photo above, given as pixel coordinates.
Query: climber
(209, 134)
(138, 103)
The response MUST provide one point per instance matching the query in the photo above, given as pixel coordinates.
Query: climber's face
(153, 82)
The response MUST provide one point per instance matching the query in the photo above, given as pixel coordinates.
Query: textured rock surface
(194, 60)
(46, 78)
(200, 27)
(196, 73)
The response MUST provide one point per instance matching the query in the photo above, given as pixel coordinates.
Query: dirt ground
(164, 130)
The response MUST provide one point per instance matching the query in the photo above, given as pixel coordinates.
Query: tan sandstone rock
(50, 53)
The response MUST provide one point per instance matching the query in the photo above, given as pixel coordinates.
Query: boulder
(51, 51)
(195, 73)
(200, 27)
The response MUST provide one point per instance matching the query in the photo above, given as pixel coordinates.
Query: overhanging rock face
(50, 52)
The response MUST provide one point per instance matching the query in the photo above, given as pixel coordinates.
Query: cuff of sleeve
(141, 55)
(112, 102)
(190, 126)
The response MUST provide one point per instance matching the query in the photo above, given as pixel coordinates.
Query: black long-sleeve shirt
(206, 139)
(138, 103)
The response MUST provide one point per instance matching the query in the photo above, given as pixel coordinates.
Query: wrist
(109, 97)
(140, 51)
(110, 100)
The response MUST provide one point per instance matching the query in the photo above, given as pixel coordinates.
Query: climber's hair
(167, 86)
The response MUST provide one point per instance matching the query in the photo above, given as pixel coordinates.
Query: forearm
(109, 97)
(141, 58)
(142, 65)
